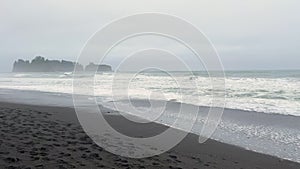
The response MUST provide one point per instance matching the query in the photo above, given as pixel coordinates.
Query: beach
(51, 137)
(150, 85)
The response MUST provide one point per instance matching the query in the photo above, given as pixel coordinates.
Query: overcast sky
(248, 34)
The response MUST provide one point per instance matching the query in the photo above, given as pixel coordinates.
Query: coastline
(267, 133)
(81, 152)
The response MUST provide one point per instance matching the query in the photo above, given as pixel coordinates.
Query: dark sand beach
(51, 137)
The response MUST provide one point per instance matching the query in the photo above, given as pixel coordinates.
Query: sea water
(262, 107)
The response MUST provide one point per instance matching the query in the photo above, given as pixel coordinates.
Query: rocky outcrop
(40, 64)
(97, 68)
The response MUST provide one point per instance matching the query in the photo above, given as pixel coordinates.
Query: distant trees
(40, 64)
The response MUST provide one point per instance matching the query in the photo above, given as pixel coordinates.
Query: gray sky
(248, 34)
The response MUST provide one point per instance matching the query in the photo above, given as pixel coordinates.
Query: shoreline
(187, 154)
(271, 134)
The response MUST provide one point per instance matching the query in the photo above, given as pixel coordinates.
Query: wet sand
(51, 137)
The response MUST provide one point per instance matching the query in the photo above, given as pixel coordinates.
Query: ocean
(261, 91)
(262, 107)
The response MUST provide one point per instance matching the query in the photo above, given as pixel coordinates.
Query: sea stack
(99, 68)
(40, 64)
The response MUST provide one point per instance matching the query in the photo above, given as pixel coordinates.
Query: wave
(255, 131)
(22, 75)
(273, 134)
(246, 92)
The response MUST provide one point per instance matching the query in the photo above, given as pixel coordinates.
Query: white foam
(268, 95)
